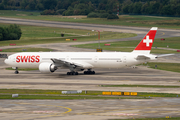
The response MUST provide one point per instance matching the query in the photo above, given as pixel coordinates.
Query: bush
(93, 15)
(104, 15)
(12, 32)
(13, 36)
(60, 11)
(1, 36)
(84, 12)
(112, 16)
(101, 11)
(109, 11)
(68, 13)
(1, 6)
(16, 30)
(1, 33)
(48, 12)
(77, 12)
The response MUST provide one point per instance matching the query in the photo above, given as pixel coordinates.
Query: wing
(71, 64)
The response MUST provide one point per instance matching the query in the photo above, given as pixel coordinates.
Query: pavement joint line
(130, 113)
(117, 115)
(24, 112)
(94, 112)
(52, 115)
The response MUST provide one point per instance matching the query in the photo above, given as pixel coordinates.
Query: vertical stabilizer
(146, 43)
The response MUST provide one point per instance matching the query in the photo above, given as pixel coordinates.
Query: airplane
(49, 62)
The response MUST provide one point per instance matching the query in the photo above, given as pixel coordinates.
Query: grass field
(27, 50)
(50, 92)
(56, 94)
(38, 32)
(42, 35)
(174, 67)
(125, 20)
(173, 42)
(59, 97)
(128, 46)
(22, 69)
(73, 97)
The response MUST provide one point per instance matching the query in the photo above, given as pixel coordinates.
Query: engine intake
(47, 67)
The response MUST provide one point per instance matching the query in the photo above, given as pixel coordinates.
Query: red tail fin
(146, 43)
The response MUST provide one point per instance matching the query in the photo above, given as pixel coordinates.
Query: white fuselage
(95, 59)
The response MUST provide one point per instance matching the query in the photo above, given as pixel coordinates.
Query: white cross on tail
(147, 41)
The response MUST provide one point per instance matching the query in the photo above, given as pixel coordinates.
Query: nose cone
(6, 61)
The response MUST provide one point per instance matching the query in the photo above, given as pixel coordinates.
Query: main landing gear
(16, 71)
(72, 73)
(89, 72)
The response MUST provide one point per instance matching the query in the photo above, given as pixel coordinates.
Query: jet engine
(47, 67)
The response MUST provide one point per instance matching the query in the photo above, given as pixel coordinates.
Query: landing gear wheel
(89, 72)
(16, 72)
(72, 73)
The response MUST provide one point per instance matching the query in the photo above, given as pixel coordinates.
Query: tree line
(84, 7)
(12, 32)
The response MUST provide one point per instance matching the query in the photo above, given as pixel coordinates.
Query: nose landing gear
(16, 71)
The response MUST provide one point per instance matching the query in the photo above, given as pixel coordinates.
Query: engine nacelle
(47, 67)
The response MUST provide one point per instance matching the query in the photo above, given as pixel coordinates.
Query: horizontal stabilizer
(142, 57)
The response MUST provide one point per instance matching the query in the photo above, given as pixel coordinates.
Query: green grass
(56, 94)
(174, 67)
(162, 51)
(55, 97)
(141, 94)
(43, 35)
(128, 46)
(26, 50)
(173, 42)
(52, 92)
(23, 69)
(40, 32)
(151, 86)
(125, 20)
